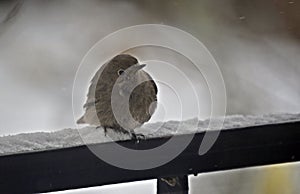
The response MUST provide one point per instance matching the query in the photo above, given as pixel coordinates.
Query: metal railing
(78, 167)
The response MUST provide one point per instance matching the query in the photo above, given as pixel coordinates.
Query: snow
(88, 135)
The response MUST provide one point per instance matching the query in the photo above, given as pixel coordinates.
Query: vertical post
(173, 185)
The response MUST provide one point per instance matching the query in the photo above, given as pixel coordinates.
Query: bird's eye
(120, 72)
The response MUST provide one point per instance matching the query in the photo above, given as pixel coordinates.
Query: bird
(121, 96)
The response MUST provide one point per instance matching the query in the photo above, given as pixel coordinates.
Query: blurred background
(255, 43)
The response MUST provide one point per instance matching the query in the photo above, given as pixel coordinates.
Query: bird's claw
(138, 137)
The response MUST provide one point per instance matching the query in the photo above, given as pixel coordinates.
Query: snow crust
(89, 135)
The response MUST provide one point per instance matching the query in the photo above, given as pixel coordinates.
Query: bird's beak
(135, 68)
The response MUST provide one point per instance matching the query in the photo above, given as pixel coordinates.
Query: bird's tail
(81, 120)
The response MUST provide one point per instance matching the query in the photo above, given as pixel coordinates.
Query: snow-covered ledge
(74, 137)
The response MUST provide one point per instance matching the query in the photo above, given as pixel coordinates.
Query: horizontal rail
(78, 167)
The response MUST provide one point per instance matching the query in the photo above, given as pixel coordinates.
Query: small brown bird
(121, 96)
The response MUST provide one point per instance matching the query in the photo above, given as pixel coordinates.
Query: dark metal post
(173, 185)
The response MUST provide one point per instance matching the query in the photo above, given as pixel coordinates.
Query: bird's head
(124, 73)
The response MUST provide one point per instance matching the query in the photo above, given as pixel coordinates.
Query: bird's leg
(137, 136)
(105, 129)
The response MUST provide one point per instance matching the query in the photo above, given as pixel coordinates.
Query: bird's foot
(138, 137)
(105, 129)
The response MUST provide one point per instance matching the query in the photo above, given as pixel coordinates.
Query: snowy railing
(43, 162)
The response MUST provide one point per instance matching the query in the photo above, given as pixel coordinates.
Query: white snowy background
(255, 43)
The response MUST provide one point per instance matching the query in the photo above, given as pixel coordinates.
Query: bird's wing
(90, 101)
(90, 115)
